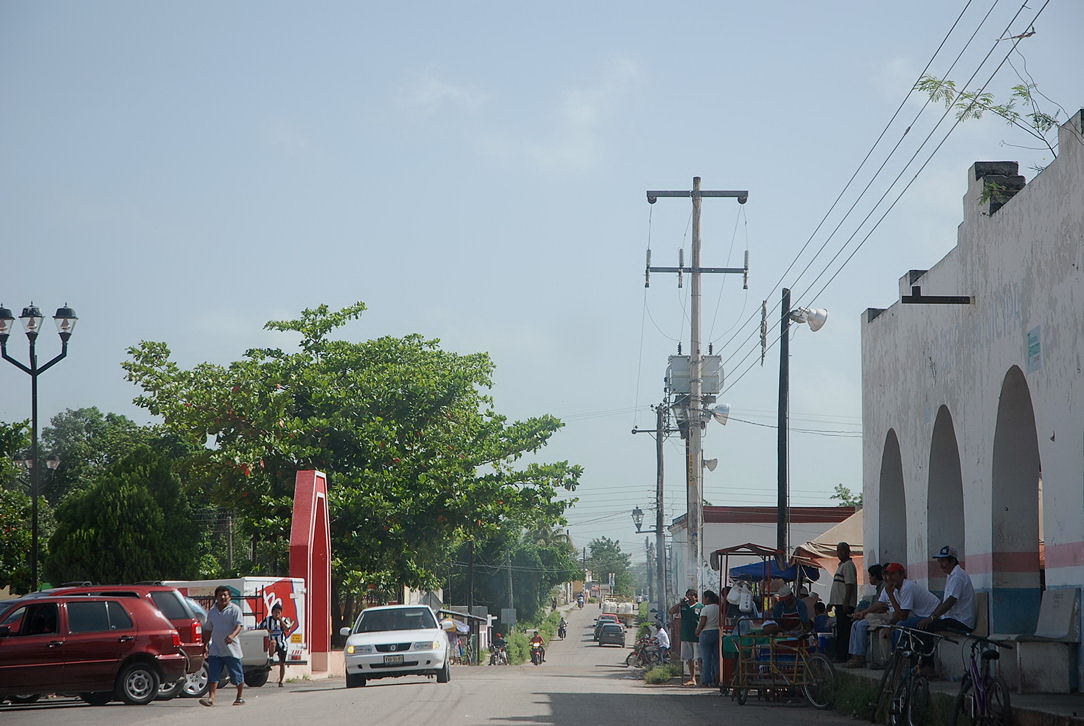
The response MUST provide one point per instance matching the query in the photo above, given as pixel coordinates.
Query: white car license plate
(393, 660)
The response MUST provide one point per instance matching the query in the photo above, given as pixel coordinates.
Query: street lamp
(815, 319)
(638, 520)
(31, 320)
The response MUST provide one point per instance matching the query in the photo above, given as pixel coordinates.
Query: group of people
(896, 601)
(902, 601)
(700, 626)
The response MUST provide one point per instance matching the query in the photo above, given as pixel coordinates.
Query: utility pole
(661, 431)
(660, 539)
(694, 443)
(782, 428)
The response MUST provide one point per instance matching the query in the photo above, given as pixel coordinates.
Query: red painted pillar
(310, 559)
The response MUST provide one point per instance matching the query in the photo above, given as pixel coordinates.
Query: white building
(973, 414)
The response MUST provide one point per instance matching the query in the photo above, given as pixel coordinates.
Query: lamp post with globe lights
(31, 319)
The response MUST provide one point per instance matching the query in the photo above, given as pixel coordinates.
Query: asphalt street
(580, 683)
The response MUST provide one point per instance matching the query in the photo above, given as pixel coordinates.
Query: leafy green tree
(132, 523)
(14, 438)
(846, 497)
(605, 556)
(537, 559)
(418, 460)
(16, 537)
(1020, 109)
(88, 442)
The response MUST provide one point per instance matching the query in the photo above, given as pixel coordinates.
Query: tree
(14, 438)
(16, 538)
(605, 557)
(88, 442)
(846, 497)
(132, 523)
(1032, 121)
(418, 460)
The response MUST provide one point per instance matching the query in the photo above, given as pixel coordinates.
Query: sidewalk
(1028, 709)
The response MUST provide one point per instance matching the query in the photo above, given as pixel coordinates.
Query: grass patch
(662, 673)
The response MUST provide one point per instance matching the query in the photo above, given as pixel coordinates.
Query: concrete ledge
(857, 688)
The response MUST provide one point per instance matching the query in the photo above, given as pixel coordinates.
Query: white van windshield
(375, 621)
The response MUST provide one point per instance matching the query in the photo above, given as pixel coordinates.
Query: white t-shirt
(913, 597)
(663, 638)
(711, 612)
(959, 586)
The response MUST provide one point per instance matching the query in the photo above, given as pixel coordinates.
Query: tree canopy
(605, 556)
(418, 460)
(132, 523)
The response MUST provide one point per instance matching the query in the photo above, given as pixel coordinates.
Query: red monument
(310, 559)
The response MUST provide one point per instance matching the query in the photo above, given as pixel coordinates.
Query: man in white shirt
(956, 612)
(662, 638)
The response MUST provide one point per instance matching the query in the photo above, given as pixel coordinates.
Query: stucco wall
(1023, 265)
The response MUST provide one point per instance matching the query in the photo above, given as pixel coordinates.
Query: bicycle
(903, 696)
(645, 653)
(983, 696)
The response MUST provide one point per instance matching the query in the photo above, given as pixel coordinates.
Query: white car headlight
(426, 645)
(358, 649)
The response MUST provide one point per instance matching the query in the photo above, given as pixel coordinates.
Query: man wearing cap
(843, 597)
(789, 614)
(957, 609)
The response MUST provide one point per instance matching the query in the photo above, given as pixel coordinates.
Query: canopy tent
(822, 550)
(758, 571)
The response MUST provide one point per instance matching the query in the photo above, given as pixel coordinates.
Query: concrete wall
(970, 411)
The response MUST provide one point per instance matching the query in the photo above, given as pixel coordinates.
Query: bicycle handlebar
(986, 641)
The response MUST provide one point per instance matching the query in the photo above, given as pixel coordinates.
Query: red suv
(173, 605)
(99, 648)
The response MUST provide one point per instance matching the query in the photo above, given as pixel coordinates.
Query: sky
(476, 172)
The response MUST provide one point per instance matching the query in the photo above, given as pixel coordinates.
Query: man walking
(224, 624)
(844, 598)
(689, 610)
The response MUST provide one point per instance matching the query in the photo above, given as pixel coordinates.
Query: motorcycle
(498, 655)
(562, 630)
(536, 653)
(579, 603)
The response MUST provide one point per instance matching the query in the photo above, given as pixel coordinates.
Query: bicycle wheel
(918, 702)
(998, 708)
(819, 685)
(897, 707)
(632, 659)
(882, 699)
(962, 709)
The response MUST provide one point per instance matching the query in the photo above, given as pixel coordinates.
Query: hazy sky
(475, 172)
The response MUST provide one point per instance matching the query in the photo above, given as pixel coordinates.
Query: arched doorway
(892, 507)
(944, 495)
(1015, 482)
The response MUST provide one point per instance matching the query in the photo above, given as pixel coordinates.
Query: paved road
(580, 683)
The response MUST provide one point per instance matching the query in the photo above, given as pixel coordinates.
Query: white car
(395, 640)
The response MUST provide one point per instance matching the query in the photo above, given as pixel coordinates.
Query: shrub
(659, 674)
(519, 647)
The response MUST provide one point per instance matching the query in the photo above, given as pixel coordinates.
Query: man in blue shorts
(224, 651)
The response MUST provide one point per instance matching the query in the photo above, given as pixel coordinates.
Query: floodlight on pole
(720, 412)
(710, 464)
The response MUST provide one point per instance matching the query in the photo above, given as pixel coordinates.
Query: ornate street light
(31, 320)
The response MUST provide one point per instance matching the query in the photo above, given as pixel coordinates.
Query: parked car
(393, 641)
(178, 609)
(603, 620)
(612, 633)
(98, 648)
